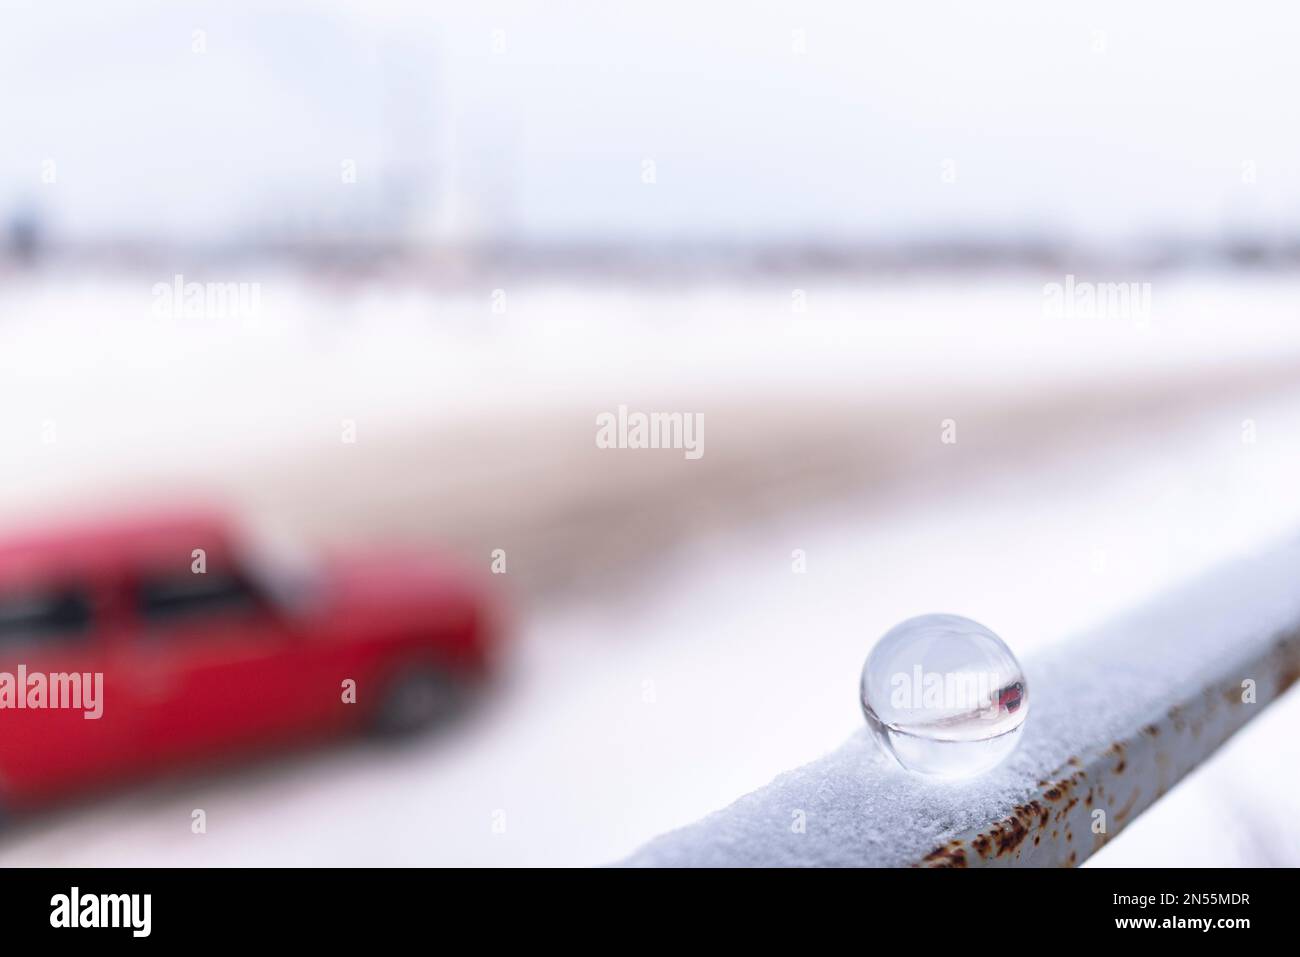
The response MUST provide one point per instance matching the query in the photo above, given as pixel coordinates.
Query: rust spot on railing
(1176, 718)
(1289, 677)
(1117, 749)
(951, 854)
(1128, 806)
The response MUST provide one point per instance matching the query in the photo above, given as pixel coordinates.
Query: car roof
(125, 539)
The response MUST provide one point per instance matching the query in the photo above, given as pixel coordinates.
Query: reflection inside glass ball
(944, 695)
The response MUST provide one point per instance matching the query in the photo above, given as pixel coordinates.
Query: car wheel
(415, 700)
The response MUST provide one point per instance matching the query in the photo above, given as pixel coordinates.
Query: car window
(186, 597)
(49, 615)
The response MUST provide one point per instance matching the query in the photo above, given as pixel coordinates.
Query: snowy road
(639, 712)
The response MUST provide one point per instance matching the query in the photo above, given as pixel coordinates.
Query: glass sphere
(943, 695)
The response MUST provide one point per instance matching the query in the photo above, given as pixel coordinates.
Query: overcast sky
(1100, 121)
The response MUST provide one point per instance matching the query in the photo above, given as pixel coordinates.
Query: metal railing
(1118, 717)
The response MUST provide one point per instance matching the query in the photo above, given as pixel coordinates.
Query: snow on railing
(1119, 716)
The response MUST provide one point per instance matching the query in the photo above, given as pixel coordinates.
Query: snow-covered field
(636, 702)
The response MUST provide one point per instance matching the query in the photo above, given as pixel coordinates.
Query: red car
(140, 645)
